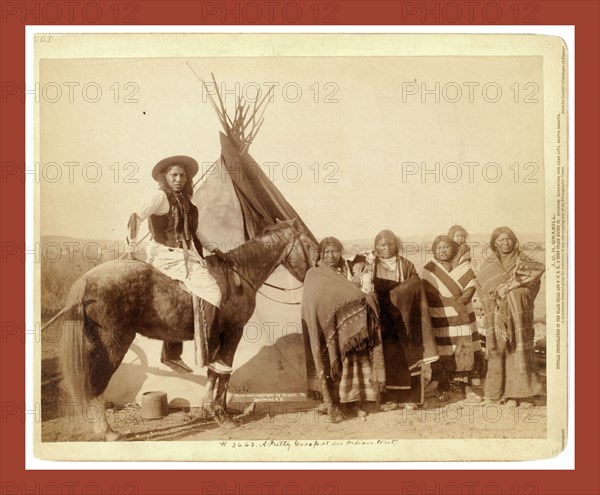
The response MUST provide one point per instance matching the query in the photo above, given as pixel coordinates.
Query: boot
(171, 357)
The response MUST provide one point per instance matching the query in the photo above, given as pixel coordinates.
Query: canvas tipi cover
(236, 202)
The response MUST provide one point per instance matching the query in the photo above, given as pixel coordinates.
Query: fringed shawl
(337, 309)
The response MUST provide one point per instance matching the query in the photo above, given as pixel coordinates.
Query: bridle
(283, 289)
(258, 291)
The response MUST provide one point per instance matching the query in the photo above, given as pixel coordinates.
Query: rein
(284, 289)
(257, 290)
(270, 285)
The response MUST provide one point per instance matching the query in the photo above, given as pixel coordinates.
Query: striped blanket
(463, 255)
(454, 323)
(356, 382)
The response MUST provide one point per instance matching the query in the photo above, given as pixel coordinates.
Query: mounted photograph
(299, 247)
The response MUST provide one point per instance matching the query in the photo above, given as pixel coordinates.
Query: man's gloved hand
(131, 249)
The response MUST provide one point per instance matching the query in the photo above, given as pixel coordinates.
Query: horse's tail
(75, 363)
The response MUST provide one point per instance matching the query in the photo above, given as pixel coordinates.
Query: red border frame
(585, 479)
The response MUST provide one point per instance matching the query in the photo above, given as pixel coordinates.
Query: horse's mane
(252, 249)
(275, 227)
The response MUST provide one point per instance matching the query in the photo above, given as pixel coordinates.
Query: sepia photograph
(300, 247)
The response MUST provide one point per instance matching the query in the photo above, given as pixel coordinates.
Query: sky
(353, 143)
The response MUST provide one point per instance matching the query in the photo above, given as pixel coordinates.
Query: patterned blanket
(507, 294)
(338, 313)
(454, 323)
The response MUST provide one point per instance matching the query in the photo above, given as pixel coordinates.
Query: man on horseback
(176, 251)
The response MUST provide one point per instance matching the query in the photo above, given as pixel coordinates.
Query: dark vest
(162, 227)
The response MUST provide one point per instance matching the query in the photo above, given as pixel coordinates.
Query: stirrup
(220, 367)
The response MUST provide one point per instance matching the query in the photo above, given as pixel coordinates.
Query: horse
(113, 302)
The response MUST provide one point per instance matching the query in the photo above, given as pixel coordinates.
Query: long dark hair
(327, 241)
(503, 230)
(448, 240)
(188, 189)
(388, 233)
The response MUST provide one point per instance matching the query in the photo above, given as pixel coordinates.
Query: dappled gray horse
(108, 305)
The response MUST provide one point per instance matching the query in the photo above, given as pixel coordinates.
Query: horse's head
(300, 252)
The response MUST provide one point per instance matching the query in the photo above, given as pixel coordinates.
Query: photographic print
(307, 247)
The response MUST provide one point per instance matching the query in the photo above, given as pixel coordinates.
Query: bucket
(154, 405)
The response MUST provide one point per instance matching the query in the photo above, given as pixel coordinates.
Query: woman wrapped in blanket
(334, 306)
(463, 255)
(508, 283)
(449, 289)
(407, 335)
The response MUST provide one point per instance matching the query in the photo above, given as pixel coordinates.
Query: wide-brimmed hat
(187, 162)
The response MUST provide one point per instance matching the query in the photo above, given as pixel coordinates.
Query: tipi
(236, 202)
